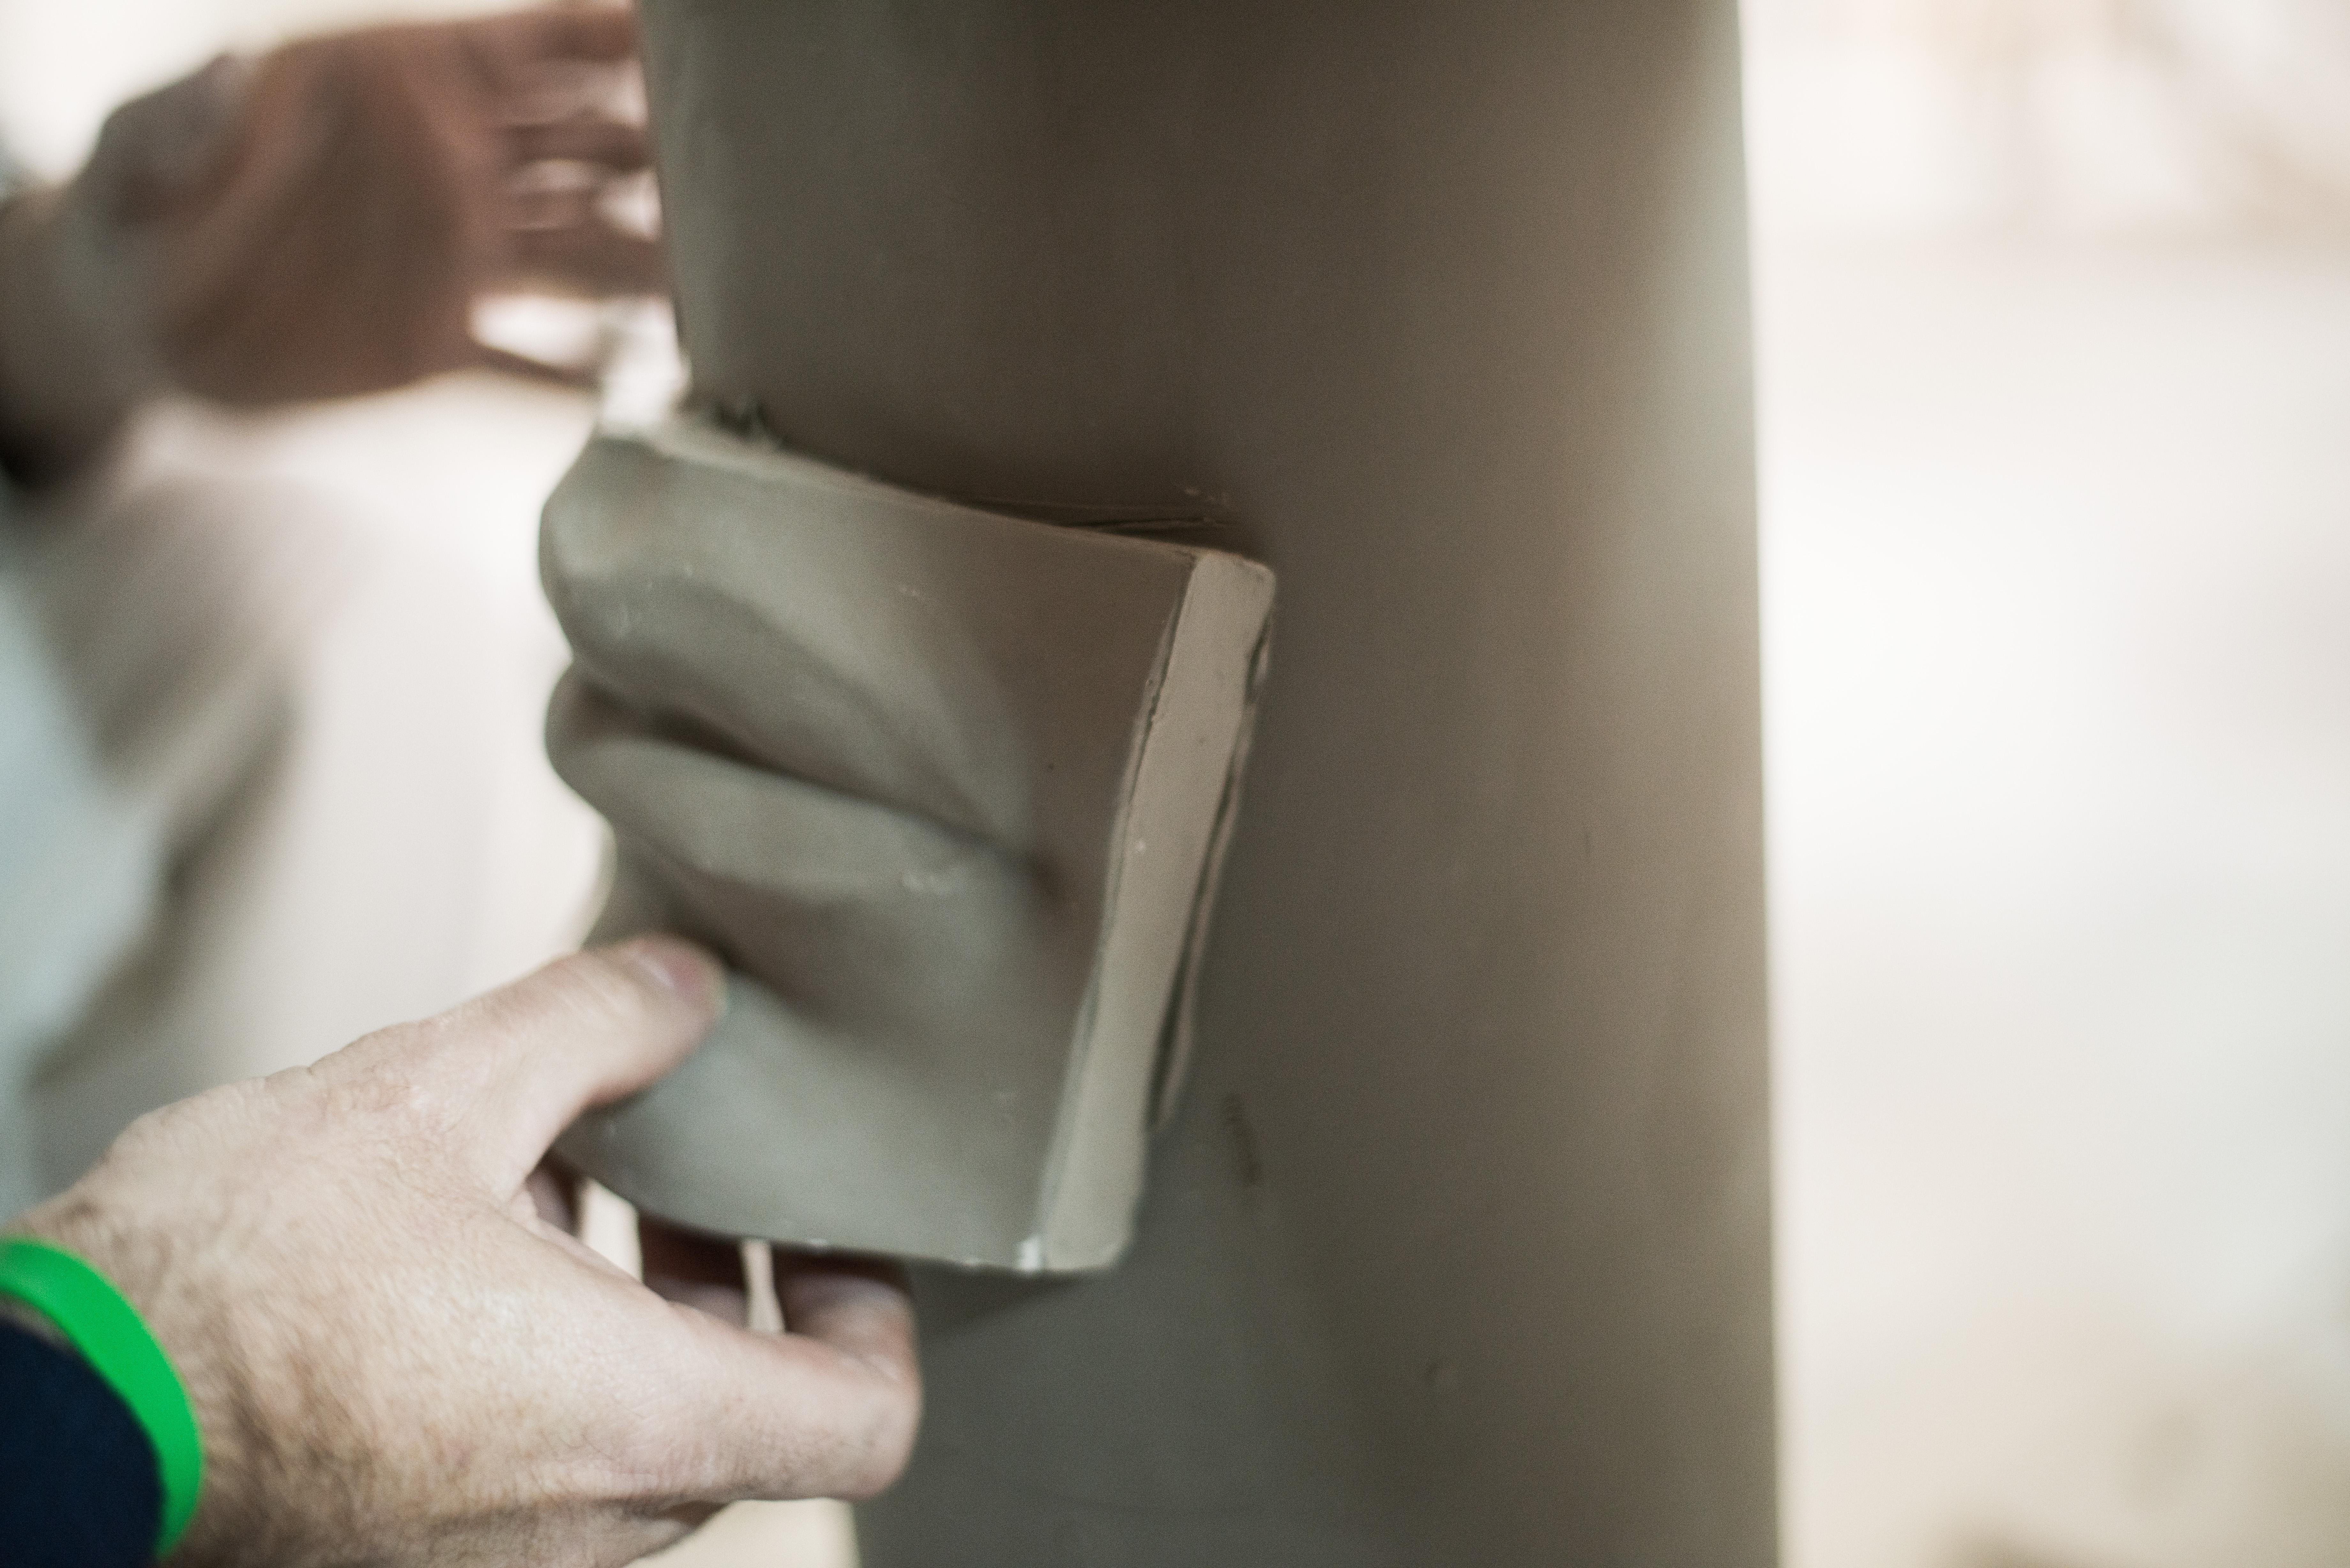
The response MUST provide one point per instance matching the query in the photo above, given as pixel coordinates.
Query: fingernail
(682, 967)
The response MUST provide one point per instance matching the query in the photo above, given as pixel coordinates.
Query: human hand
(320, 223)
(373, 184)
(393, 1358)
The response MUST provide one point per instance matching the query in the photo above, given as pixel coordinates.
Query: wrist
(207, 1333)
(90, 1314)
(75, 356)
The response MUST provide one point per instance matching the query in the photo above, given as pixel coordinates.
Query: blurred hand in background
(320, 221)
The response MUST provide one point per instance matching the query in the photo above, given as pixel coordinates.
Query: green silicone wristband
(95, 1319)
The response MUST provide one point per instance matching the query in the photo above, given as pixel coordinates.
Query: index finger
(514, 1066)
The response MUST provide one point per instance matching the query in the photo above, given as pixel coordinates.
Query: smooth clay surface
(1456, 1255)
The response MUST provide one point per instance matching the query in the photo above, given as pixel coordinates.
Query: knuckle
(388, 1095)
(407, 1080)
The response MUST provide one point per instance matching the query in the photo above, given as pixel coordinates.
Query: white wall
(2095, 116)
(2055, 378)
(62, 67)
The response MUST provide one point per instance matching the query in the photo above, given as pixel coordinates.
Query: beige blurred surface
(2054, 380)
(2058, 659)
(770, 1535)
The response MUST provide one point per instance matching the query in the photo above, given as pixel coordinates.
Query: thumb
(521, 1062)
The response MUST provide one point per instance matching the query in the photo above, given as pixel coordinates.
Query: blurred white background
(2055, 311)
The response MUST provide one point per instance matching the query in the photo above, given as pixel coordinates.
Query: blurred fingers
(549, 205)
(590, 257)
(554, 62)
(519, 40)
(612, 144)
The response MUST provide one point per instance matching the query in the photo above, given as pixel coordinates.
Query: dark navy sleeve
(78, 1487)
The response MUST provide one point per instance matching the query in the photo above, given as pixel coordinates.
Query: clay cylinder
(1457, 1249)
